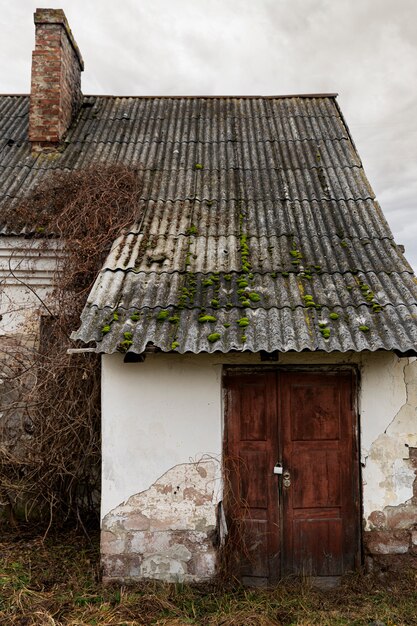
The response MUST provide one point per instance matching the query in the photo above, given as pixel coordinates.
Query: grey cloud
(366, 51)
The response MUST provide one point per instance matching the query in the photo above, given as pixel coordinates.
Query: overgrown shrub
(51, 463)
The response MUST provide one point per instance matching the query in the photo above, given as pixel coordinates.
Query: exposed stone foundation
(167, 532)
(391, 542)
(390, 549)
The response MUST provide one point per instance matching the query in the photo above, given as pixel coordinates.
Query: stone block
(401, 517)
(168, 527)
(161, 567)
(136, 521)
(149, 542)
(387, 542)
(124, 567)
(114, 568)
(203, 565)
(377, 520)
(111, 543)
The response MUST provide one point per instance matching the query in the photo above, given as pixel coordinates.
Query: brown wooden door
(306, 520)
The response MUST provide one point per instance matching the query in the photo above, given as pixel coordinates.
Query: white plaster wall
(382, 393)
(27, 269)
(168, 410)
(389, 429)
(157, 414)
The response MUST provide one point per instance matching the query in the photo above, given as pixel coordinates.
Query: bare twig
(50, 460)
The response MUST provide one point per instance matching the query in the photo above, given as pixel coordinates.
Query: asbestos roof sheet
(255, 212)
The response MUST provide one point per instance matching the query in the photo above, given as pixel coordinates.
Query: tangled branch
(50, 453)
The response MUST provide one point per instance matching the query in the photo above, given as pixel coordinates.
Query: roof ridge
(219, 96)
(197, 97)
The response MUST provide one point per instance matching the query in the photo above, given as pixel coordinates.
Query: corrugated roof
(255, 211)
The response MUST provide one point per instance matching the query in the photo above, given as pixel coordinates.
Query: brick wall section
(56, 79)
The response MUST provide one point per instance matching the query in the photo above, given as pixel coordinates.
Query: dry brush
(50, 449)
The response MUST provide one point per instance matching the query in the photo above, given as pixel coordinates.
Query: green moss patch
(206, 318)
(192, 230)
(213, 337)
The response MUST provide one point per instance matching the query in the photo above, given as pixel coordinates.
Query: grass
(57, 582)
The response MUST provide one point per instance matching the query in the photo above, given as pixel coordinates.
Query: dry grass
(56, 582)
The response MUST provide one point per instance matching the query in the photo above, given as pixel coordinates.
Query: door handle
(286, 479)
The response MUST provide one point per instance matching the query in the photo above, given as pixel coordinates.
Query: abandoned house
(257, 326)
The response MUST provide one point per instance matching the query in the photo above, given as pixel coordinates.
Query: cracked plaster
(166, 532)
(389, 475)
(169, 411)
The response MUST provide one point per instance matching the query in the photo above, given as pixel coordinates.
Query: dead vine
(235, 553)
(50, 404)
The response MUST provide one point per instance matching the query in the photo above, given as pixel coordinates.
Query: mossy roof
(265, 191)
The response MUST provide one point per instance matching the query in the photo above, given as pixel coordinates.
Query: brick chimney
(57, 64)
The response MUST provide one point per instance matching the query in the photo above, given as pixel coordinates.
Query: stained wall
(162, 443)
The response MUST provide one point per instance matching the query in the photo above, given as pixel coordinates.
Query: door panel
(316, 541)
(251, 500)
(309, 522)
(321, 502)
(315, 478)
(314, 411)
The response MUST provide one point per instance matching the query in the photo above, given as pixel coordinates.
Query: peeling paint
(155, 417)
(186, 421)
(166, 532)
(27, 270)
(382, 394)
(389, 475)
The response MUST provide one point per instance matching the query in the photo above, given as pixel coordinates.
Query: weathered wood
(307, 421)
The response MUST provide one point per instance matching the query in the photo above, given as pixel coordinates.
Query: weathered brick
(56, 79)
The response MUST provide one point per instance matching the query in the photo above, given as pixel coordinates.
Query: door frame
(230, 370)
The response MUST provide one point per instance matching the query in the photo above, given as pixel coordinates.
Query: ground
(56, 581)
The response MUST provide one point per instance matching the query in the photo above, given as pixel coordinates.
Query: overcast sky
(365, 50)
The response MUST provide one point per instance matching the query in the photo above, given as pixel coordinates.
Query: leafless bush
(53, 465)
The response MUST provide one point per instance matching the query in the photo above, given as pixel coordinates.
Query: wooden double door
(292, 473)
